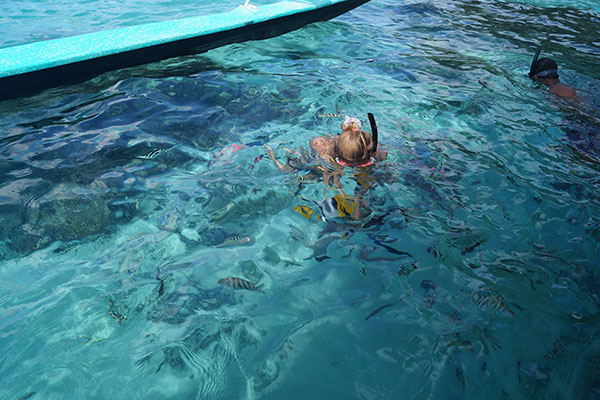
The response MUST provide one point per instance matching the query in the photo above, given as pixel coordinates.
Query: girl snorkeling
(352, 148)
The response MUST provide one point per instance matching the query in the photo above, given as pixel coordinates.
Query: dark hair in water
(545, 68)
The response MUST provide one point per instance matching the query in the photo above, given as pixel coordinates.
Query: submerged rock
(71, 218)
(64, 214)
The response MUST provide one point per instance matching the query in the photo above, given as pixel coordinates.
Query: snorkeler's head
(350, 124)
(354, 147)
(545, 68)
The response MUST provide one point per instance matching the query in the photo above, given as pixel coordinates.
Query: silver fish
(152, 154)
(236, 241)
(485, 298)
(28, 199)
(239, 284)
(406, 269)
(28, 395)
(66, 249)
(308, 178)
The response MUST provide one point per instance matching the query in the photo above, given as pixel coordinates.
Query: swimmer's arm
(381, 154)
(324, 146)
(327, 175)
(279, 165)
(358, 201)
(336, 181)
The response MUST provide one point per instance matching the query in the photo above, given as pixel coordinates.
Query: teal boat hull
(33, 67)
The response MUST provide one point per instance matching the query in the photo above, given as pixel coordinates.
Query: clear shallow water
(475, 274)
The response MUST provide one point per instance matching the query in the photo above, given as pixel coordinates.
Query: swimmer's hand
(271, 155)
(295, 152)
(270, 152)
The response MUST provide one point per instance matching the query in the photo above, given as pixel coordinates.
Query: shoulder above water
(562, 90)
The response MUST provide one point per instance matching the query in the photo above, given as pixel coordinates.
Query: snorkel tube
(373, 133)
(535, 58)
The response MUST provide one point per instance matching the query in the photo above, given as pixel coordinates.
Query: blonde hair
(354, 146)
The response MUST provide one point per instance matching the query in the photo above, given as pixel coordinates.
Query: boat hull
(67, 72)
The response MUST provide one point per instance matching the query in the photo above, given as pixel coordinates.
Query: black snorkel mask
(548, 72)
(533, 62)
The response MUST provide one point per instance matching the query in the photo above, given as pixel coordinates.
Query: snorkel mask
(370, 160)
(546, 73)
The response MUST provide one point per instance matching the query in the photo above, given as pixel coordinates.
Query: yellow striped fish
(305, 211)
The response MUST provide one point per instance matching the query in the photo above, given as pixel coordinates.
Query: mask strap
(547, 72)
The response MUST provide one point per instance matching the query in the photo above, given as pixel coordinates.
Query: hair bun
(349, 121)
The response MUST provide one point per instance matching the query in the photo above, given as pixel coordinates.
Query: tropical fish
(305, 211)
(431, 289)
(488, 338)
(296, 233)
(469, 249)
(459, 376)
(428, 285)
(383, 307)
(457, 342)
(310, 177)
(385, 239)
(345, 227)
(392, 250)
(376, 221)
(117, 311)
(28, 199)
(270, 255)
(236, 241)
(222, 212)
(370, 253)
(250, 270)
(28, 395)
(161, 287)
(66, 248)
(337, 206)
(329, 115)
(152, 154)
(239, 284)
(378, 309)
(321, 245)
(406, 269)
(558, 349)
(486, 298)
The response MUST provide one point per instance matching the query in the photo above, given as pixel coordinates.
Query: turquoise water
(473, 273)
